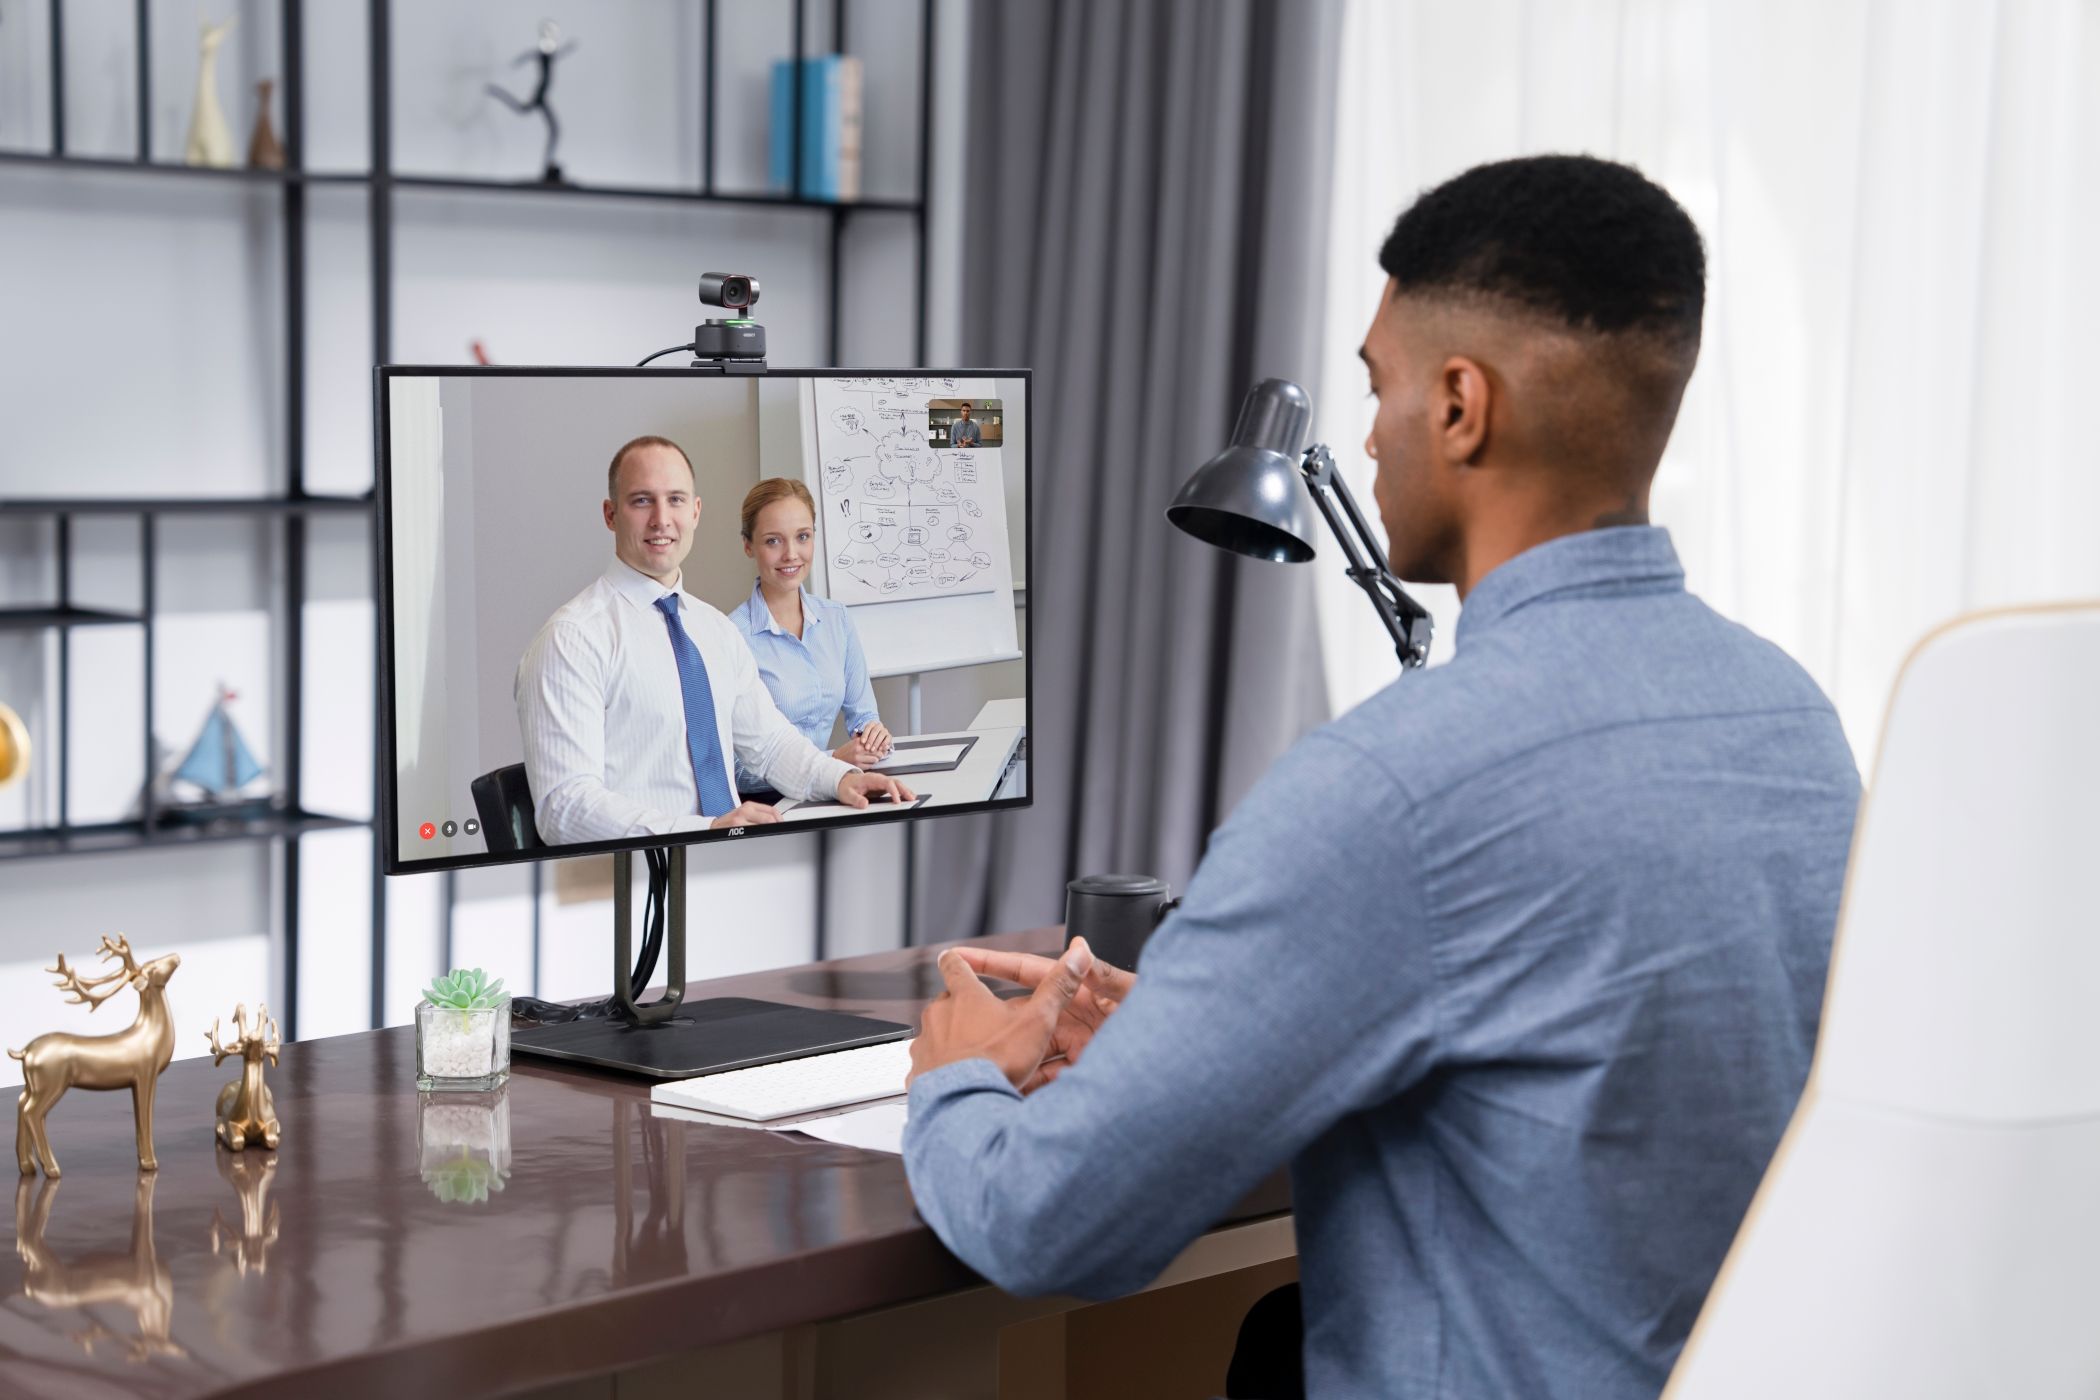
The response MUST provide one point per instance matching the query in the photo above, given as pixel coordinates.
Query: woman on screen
(808, 652)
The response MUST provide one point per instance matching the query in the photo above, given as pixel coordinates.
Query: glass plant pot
(467, 1050)
(463, 1145)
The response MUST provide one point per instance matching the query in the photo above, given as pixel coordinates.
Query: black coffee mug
(1115, 914)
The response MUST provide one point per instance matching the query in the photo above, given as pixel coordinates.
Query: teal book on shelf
(830, 128)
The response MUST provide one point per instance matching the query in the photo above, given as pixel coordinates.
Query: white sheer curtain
(1901, 203)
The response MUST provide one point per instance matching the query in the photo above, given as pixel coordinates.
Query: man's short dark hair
(612, 473)
(1589, 243)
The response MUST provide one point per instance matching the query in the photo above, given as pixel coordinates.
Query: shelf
(235, 824)
(668, 194)
(458, 184)
(27, 619)
(125, 165)
(183, 505)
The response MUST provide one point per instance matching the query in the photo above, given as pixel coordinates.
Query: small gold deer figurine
(130, 1059)
(247, 1114)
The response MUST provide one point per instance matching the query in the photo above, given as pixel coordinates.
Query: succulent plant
(465, 989)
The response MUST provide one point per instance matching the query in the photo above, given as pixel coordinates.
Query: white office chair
(1930, 1226)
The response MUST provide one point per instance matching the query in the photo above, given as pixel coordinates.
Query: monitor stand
(670, 1038)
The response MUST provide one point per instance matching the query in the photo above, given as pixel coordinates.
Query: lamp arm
(1405, 619)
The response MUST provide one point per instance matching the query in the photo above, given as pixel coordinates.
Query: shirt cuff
(935, 1087)
(826, 779)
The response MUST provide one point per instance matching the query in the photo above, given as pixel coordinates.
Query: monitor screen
(633, 608)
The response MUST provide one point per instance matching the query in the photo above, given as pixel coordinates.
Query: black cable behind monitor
(654, 904)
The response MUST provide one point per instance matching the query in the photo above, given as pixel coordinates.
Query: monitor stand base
(706, 1037)
(671, 1039)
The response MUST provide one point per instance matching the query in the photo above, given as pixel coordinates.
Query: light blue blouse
(814, 676)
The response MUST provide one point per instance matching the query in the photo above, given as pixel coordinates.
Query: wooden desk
(684, 1257)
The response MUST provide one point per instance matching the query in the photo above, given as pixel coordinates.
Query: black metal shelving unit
(286, 819)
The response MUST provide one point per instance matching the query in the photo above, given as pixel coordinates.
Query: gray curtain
(1146, 228)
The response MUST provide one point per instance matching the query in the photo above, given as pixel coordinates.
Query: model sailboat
(219, 762)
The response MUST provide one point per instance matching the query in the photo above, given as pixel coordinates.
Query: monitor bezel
(393, 863)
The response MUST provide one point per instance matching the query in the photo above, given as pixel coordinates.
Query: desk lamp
(1252, 499)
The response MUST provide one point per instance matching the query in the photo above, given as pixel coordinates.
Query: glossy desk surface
(339, 1269)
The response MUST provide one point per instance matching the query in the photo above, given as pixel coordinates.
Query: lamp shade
(1251, 498)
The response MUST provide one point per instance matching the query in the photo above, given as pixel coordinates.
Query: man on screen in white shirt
(637, 701)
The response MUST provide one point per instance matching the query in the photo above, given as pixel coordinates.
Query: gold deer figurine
(134, 1279)
(130, 1059)
(247, 1114)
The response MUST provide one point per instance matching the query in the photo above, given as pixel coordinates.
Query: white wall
(1886, 427)
(141, 354)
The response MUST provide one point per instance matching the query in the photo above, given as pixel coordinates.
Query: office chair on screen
(503, 800)
(1930, 1225)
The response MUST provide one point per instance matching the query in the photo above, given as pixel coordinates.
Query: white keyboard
(788, 1087)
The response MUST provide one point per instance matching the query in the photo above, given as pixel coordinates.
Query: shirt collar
(761, 617)
(1623, 559)
(631, 583)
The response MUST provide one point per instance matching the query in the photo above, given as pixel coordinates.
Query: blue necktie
(703, 744)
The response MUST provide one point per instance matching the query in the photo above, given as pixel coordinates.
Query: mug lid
(1117, 884)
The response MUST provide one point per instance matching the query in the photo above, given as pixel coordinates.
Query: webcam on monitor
(734, 341)
(737, 291)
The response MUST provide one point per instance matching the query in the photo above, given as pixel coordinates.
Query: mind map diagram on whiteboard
(901, 520)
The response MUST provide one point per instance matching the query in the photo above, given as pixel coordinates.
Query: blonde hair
(769, 491)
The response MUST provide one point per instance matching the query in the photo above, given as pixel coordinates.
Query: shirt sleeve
(560, 694)
(1295, 985)
(860, 691)
(766, 744)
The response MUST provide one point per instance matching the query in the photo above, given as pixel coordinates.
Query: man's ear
(609, 515)
(1465, 398)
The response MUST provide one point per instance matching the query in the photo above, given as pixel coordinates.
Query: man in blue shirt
(963, 432)
(1517, 965)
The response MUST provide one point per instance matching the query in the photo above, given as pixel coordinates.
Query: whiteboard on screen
(912, 538)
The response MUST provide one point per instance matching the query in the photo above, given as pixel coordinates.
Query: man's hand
(747, 814)
(1104, 990)
(856, 788)
(967, 1022)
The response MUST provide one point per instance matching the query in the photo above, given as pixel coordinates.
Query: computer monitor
(558, 629)
(527, 677)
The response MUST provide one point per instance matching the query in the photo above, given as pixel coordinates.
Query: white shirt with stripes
(602, 715)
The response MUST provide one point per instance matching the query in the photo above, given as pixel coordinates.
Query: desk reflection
(248, 1173)
(654, 1248)
(463, 1144)
(134, 1279)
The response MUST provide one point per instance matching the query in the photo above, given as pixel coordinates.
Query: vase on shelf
(210, 143)
(265, 151)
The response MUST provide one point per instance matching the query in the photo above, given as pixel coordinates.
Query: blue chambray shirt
(814, 676)
(1517, 965)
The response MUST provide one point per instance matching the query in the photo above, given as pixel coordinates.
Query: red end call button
(427, 831)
